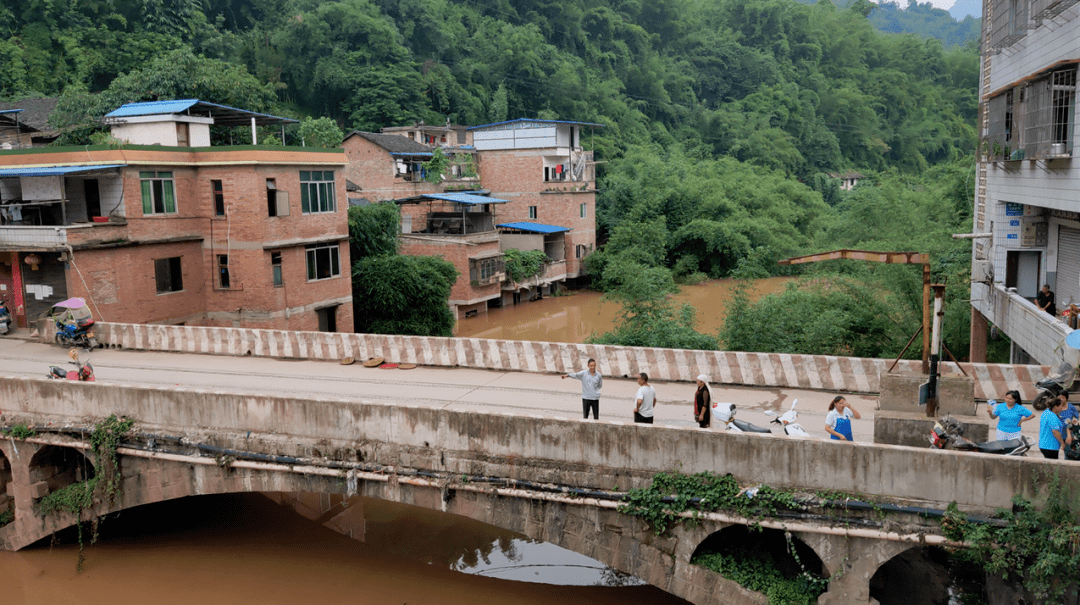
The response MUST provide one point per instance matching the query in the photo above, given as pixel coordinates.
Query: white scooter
(725, 412)
(787, 420)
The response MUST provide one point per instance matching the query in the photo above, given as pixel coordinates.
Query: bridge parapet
(818, 372)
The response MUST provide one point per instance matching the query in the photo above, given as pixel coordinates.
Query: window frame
(217, 191)
(223, 274)
(333, 257)
(318, 191)
(584, 210)
(277, 277)
(158, 188)
(533, 212)
(173, 273)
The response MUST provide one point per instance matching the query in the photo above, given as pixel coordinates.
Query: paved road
(449, 388)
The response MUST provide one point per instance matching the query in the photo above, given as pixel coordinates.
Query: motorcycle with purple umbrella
(74, 324)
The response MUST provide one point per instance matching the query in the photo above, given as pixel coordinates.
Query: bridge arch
(6, 502)
(742, 541)
(54, 467)
(926, 574)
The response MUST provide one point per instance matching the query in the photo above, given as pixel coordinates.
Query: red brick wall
(457, 250)
(518, 176)
(372, 168)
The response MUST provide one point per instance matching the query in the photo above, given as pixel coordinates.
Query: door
(328, 319)
(1022, 272)
(1068, 267)
(93, 197)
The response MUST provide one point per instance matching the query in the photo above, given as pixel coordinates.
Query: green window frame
(317, 191)
(158, 192)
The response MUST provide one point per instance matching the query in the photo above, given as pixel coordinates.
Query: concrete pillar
(979, 328)
(19, 454)
(851, 562)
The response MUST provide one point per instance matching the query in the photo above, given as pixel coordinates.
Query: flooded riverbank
(245, 549)
(575, 317)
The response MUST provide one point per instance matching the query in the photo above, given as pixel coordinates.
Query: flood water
(581, 313)
(244, 548)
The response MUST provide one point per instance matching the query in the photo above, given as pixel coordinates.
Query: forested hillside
(722, 118)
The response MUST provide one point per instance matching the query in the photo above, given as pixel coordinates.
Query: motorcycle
(5, 317)
(1072, 451)
(788, 421)
(84, 373)
(948, 434)
(74, 324)
(1059, 380)
(725, 412)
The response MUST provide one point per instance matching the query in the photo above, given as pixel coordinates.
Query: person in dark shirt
(1045, 300)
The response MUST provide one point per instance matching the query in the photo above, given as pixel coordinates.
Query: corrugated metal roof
(538, 121)
(223, 115)
(464, 198)
(534, 227)
(54, 170)
(394, 143)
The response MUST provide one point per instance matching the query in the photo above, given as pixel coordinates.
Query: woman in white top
(838, 420)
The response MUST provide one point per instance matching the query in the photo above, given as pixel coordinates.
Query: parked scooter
(5, 317)
(788, 421)
(1072, 451)
(725, 412)
(84, 373)
(948, 434)
(74, 324)
(1060, 379)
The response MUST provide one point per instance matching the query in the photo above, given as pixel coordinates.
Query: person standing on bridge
(1010, 414)
(646, 398)
(591, 383)
(703, 402)
(1053, 435)
(838, 420)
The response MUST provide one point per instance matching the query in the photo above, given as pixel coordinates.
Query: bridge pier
(851, 563)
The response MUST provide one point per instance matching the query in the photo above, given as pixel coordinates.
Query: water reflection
(575, 317)
(224, 550)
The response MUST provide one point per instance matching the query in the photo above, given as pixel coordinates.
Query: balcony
(42, 238)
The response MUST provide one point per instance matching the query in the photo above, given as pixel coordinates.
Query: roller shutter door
(1068, 267)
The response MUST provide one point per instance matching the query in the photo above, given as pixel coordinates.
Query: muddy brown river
(575, 317)
(244, 548)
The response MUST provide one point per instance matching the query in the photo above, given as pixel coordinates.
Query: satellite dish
(1073, 339)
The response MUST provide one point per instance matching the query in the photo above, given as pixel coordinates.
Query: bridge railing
(563, 451)
(818, 372)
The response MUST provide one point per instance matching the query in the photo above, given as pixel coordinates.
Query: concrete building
(169, 228)
(450, 135)
(1026, 212)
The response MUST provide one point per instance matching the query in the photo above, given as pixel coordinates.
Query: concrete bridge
(540, 473)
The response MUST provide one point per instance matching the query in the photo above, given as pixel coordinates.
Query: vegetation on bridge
(103, 487)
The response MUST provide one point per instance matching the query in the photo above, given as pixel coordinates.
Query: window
(317, 191)
(219, 198)
(157, 193)
(1063, 107)
(581, 251)
(485, 271)
(223, 271)
(275, 269)
(271, 197)
(322, 261)
(584, 211)
(168, 275)
(532, 212)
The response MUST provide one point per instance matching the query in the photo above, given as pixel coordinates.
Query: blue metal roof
(11, 110)
(540, 121)
(410, 154)
(222, 114)
(54, 170)
(464, 198)
(534, 227)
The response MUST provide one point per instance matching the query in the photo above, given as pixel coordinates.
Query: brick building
(168, 228)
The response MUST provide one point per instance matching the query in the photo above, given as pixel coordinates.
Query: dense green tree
(373, 230)
(394, 294)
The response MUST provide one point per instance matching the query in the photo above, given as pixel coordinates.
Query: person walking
(1010, 414)
(591, 383)
(838, 420)
(1052, 433)
(703, 402)
(646, 399)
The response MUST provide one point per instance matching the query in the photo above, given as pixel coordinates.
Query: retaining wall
(818, 372)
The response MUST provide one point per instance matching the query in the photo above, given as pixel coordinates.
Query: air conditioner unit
(982, 271)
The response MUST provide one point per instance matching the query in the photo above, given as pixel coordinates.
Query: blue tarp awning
(54, 170)
(464, 198)
(533, 227)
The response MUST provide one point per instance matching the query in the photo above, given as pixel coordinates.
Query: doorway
(1022, 272)
(327, 319)
(93, 197)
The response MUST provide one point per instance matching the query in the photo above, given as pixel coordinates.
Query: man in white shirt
(646, 398)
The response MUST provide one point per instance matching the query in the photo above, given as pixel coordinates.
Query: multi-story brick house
(25, 123)
(1026, 209)
(450, 135)
(549, 180)
(168, 228)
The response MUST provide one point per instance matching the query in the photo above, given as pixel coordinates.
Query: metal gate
(1068, 267)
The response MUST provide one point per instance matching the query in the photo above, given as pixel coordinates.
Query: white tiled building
(1028, 194)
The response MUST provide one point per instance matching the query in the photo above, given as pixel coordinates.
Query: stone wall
(818, 372)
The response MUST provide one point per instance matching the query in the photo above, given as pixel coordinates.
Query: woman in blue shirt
(1010, 414)
(1052, 434)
